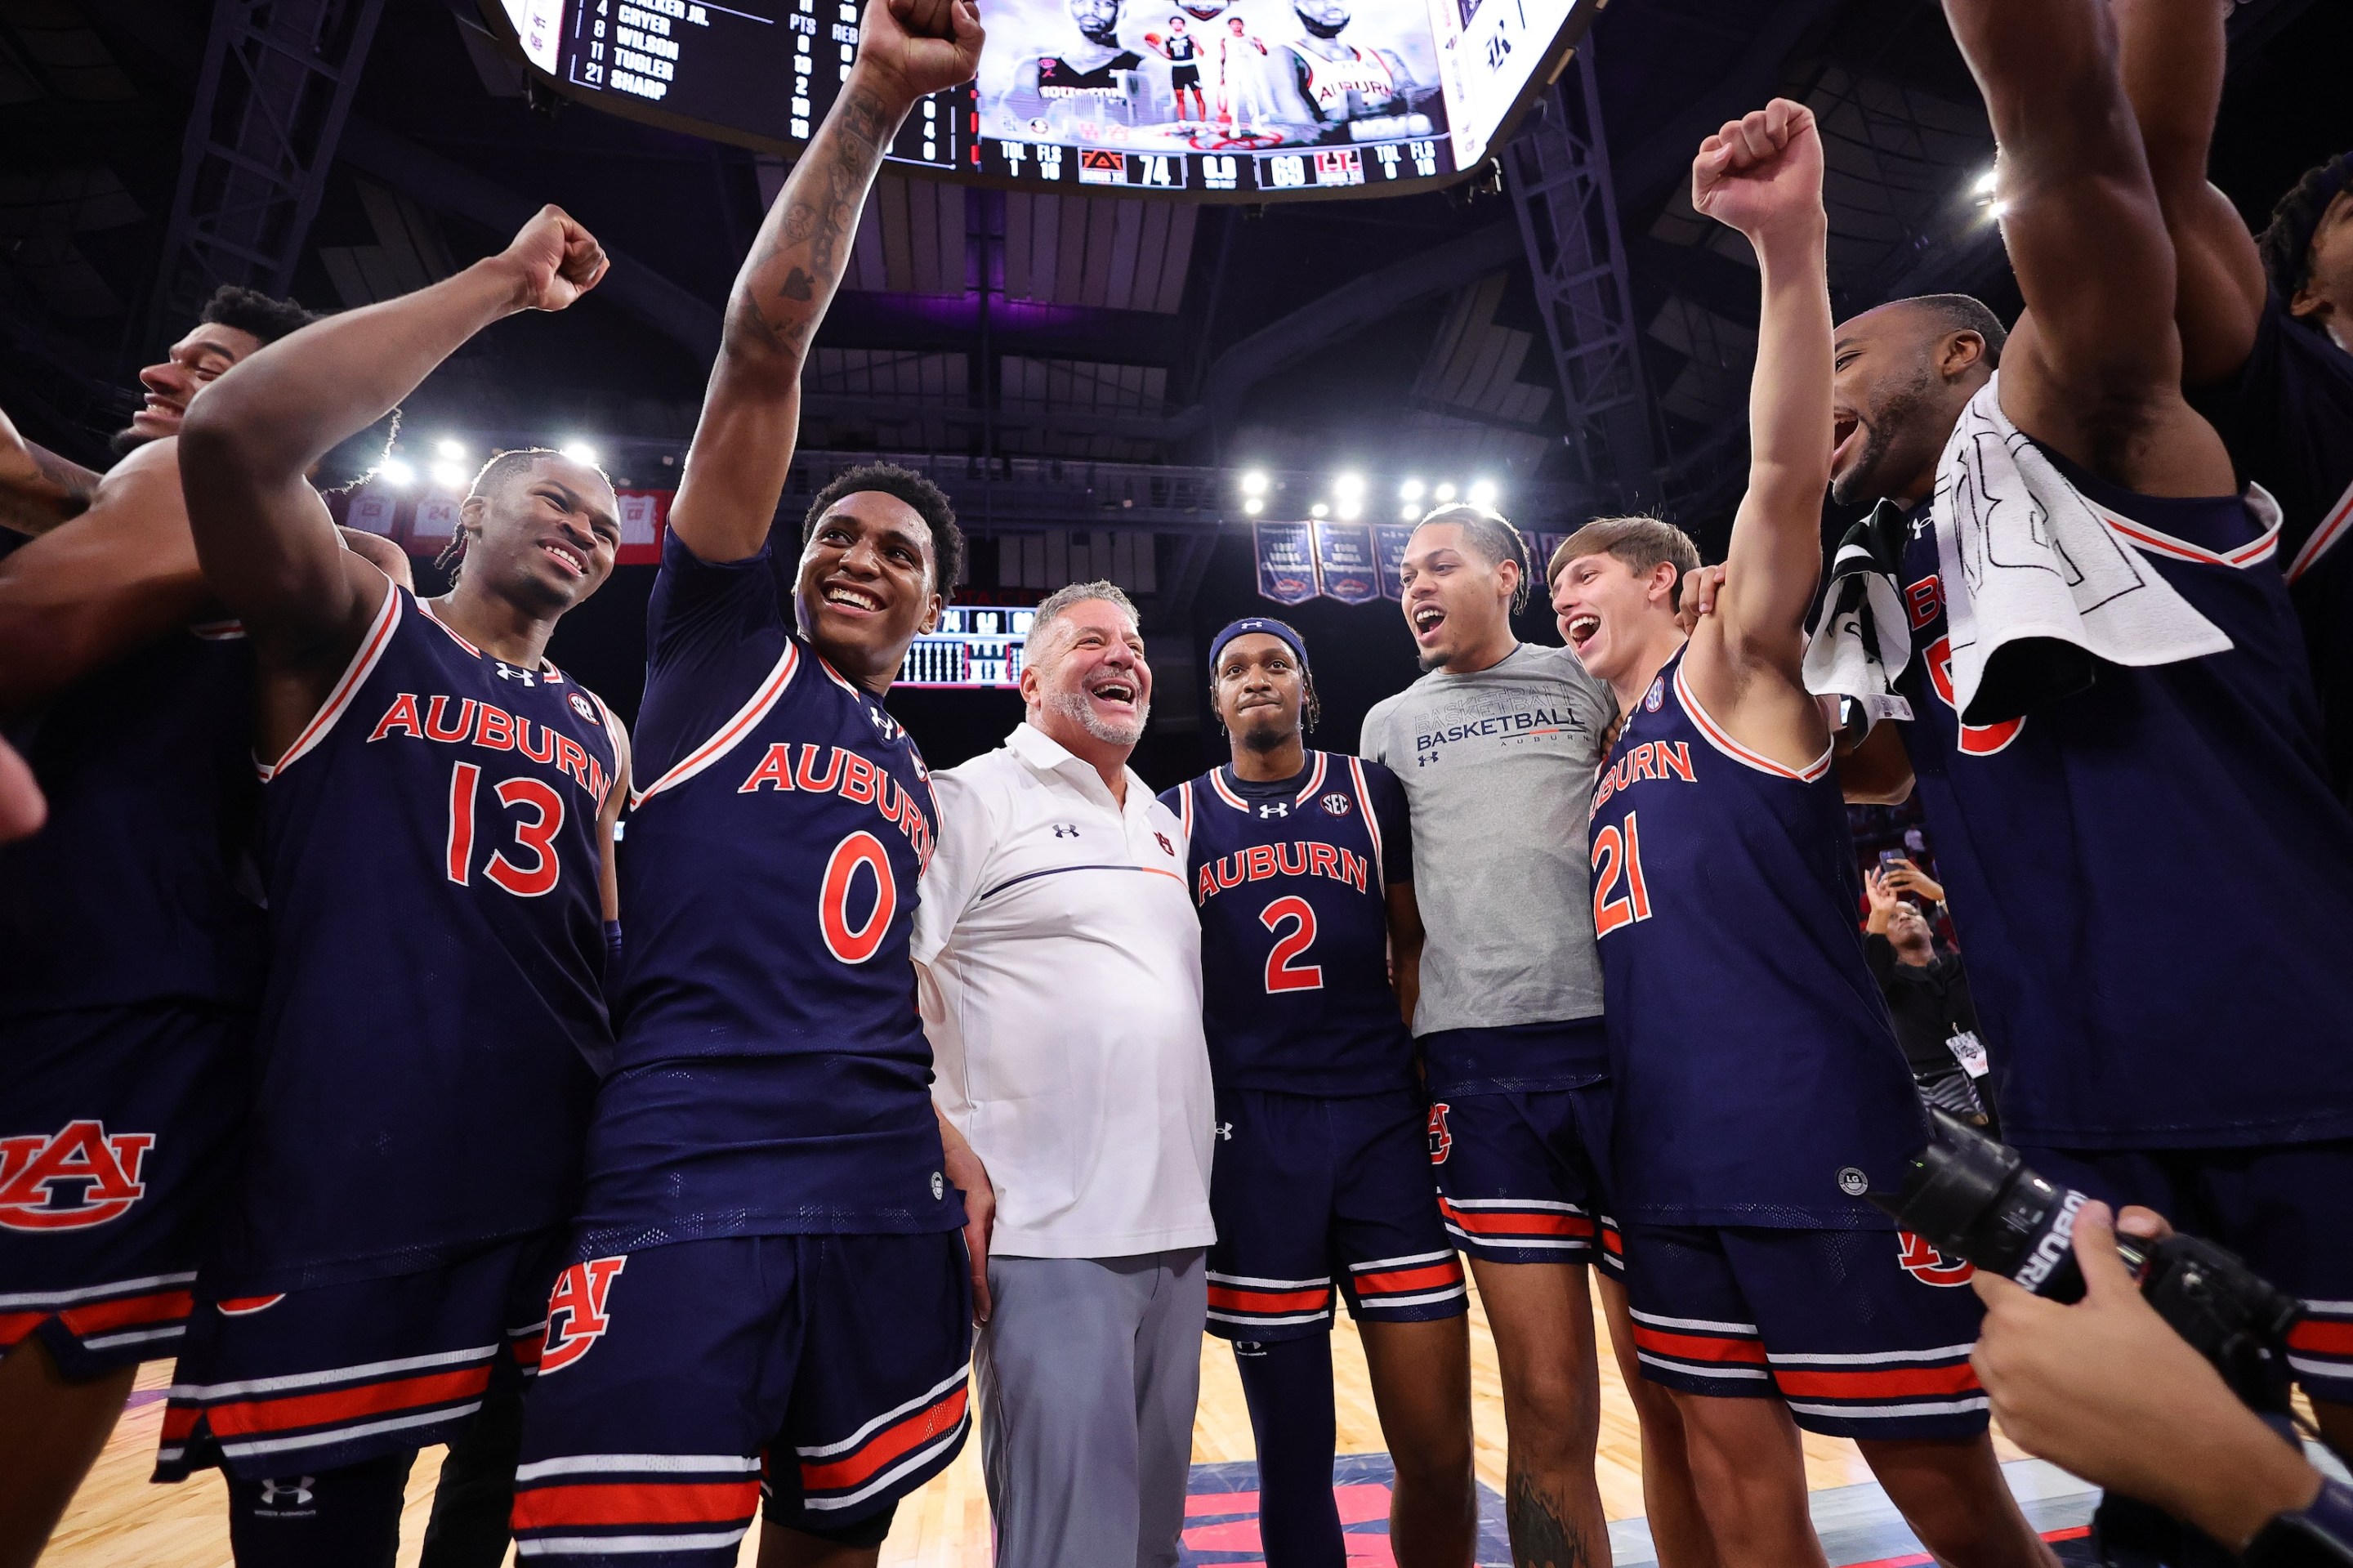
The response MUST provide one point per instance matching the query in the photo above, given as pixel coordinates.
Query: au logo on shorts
(576, 1311)
(1442, 1142)
(81, 1175)
(1924, 1263)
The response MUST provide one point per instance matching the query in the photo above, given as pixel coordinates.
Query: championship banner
(1390, 540)
(423, 525)
(1545, 545)
(1344, 559)
(1286, 561)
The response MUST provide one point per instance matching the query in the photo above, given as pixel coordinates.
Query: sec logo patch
(1336, 804)
(1655, 695)
(583, 706)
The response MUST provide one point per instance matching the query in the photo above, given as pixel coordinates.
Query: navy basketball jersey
(772, 1076)
(1757, 1077)
(2152, 882)
(2287, 417)
(141, 887)
(435, 962)
(1290, 881)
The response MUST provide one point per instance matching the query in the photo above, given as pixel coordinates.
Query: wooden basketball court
(122, 1521)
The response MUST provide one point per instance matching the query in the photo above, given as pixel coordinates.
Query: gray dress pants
(1088, 1372)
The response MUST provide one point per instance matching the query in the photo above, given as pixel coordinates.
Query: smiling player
(436, 800)
(766, 1258)
(1301, 867)
(1761, 1092)
(1508, 1012)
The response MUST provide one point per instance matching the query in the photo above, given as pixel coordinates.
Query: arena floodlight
(1253, 505)
(1410, 514)
(1985, 185)
(1443, 494)
(450, 475)
(1995, 210)
(393, 471)
(1319, 510)
(1351, 509)
(1482, 492)
(579, 452)
(1347, 487)
(449, 450)
(1253, 483)
(1409, 491)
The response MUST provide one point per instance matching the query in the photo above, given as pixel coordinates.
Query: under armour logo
(296, 1490)
(1225, 1132)
(509, 673)
(887, 726)
(1274, 809)
(1065, 830)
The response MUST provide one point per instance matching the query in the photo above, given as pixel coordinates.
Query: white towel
(1859, 642)
(2031, 565)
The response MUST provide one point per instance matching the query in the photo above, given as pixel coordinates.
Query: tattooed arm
(38, 489)
(750, 410)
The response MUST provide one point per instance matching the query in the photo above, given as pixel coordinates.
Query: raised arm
(1763, 176)
(2094, 366)
(38, 489)
(2173, 58)
(742, 450)
(267, 543)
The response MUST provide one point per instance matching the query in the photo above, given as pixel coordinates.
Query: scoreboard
(1209, 100)
(974, 646)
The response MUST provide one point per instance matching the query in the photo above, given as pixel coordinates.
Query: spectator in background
(1927, 990)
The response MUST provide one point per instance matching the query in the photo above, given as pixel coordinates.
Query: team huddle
(588, 1076)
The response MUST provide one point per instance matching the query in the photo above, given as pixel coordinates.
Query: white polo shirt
(1062, 990)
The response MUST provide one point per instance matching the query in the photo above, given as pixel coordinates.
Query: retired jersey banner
(644, 515)
(1286, 561)
(1344, 559)
(1390, 540)
(1546, 544)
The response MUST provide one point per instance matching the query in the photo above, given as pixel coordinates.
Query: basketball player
(1760, 1091)
(435, 801)
(767, 1259)
(1096, 79)
(1241, 82)
(1508, 1008)
(130, 933)
(1335, 82)
(1176, 47)
(2140, 1062)
(1301, 868)
(2263, 331)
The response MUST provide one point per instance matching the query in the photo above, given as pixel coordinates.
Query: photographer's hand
(2106, 1389)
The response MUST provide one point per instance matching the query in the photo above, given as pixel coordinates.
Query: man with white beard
(1058, 963)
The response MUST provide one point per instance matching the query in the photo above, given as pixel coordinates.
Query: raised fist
(554, 259)
(1762, 170)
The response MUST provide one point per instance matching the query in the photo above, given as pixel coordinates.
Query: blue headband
(1261, 625)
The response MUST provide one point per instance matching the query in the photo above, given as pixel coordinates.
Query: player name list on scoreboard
(772, 69)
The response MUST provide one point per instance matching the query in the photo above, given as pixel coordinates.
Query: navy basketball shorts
(680, 1381)
(291, 1384)
(1518, 1176)
(115, 1127)
(1307, 1190)
(1863, 1333)
(2282, 1209)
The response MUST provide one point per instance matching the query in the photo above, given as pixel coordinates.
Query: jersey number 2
(1616, 853)
(537, 835)
(1280, 973)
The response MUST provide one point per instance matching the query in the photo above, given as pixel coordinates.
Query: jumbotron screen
(1233, 99)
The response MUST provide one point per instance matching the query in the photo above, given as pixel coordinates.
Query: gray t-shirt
(1499, 766)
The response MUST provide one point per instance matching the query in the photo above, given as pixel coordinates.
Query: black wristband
(2319, 1536)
